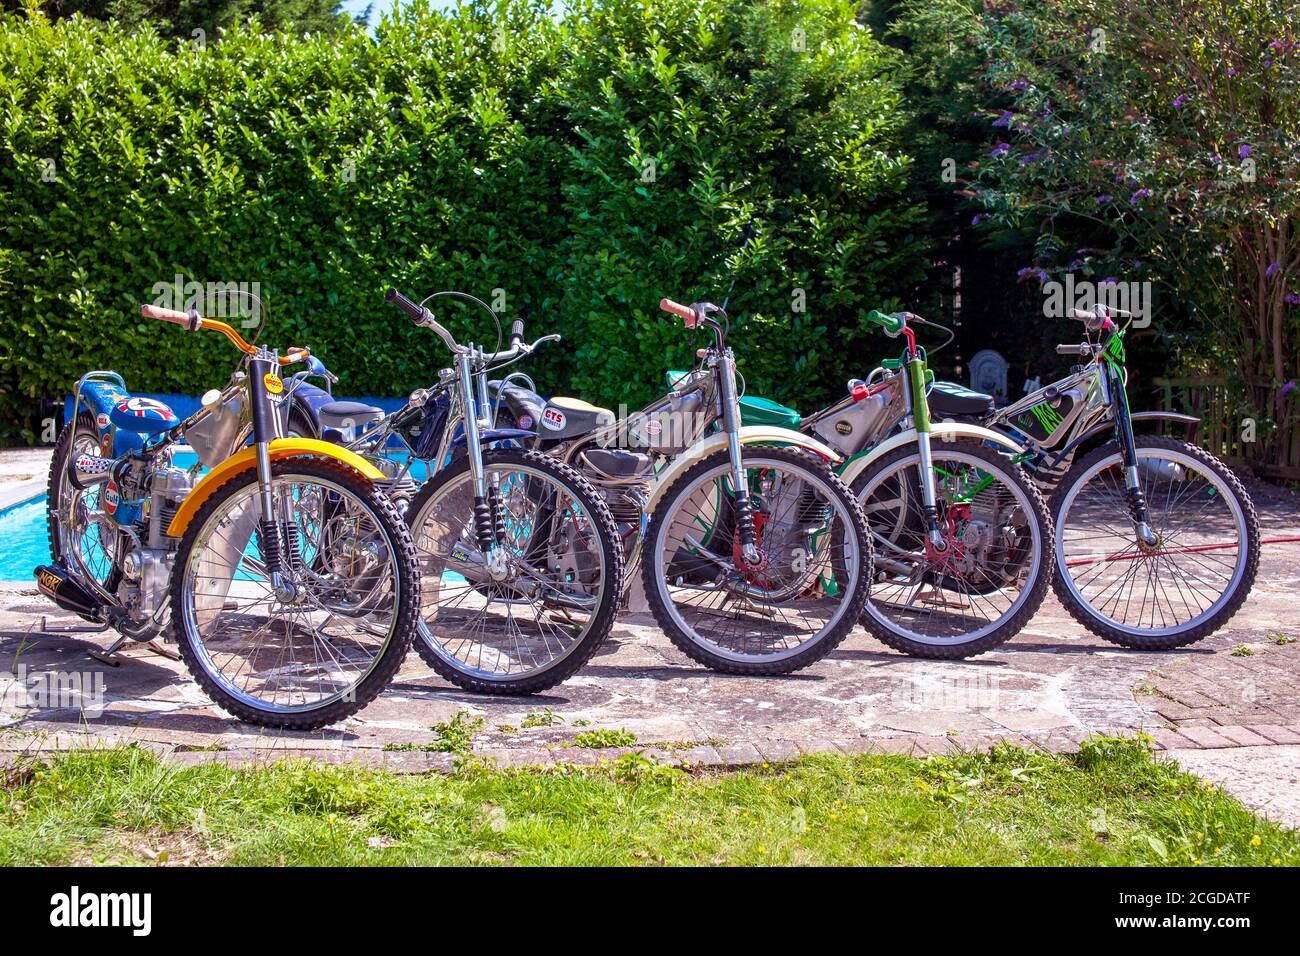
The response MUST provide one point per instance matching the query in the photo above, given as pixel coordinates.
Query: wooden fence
(1222, 428)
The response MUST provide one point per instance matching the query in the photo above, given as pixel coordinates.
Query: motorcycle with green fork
(1157, 542)
(961, 536)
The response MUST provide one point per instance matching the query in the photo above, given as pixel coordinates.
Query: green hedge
(481, 150)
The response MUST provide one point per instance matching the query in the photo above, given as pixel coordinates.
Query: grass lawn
(1109, 804)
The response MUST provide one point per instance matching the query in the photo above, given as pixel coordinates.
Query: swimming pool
(23, 541)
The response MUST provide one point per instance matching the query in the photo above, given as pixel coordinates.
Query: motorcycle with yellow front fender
(288, 577)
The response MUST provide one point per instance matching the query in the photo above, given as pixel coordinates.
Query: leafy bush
(498, 151)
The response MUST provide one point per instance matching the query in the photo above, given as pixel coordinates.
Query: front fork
(1137, 502)
(731, 426)
(264, 432)
(921, 419)
(485, 515)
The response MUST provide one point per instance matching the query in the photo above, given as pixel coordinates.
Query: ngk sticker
(553, 419)
(110, 498)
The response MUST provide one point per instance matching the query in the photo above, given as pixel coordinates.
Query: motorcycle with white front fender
(288, 579)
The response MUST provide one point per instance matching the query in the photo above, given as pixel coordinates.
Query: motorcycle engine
(147, 559)
(990, 538)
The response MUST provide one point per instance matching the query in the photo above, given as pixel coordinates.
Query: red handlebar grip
(685, 312)
(164, 315)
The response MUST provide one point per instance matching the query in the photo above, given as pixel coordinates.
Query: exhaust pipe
(67, 591)
(86, 471)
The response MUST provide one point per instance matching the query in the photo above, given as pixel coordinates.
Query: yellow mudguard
(247, 458)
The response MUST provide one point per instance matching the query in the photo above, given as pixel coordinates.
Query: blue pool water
(23, 543)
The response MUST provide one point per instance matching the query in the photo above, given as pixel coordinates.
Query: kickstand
(162, 651)
(48, 628)
(106, 656)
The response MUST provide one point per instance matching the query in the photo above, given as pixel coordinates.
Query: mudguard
(749, 435)
(247, 458)
(941, 432)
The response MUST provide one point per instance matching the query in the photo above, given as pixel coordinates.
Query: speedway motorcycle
(753, 555)
(519, 559)
(961, 536)
(288, 579)
(1157, 540)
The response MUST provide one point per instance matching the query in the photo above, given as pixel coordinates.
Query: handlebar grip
(1068, 350)
(416, 312)
(516, 331)
(889, 323)
(684, 312)
(294, 356)
(166, 315)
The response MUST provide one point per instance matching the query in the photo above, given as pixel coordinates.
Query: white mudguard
(749, 435)
(942, 432)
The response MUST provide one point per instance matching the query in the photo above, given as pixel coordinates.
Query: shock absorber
(484, 527)
(269, 538)
(293, 545)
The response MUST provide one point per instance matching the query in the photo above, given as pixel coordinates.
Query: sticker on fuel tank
(553, 419)
(110, 498)
(525, 421)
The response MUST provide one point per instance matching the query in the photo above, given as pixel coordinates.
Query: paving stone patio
(1051, 687)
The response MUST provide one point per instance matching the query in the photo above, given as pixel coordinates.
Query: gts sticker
(553, 419)
(273, 383)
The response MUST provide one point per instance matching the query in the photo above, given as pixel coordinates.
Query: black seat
(617, 463)
(949, 398)
(344, 416)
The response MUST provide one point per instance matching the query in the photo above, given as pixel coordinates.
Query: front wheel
(326, 639)
(521, 587)
(993, 571)
(1185, 586)
(776, 610)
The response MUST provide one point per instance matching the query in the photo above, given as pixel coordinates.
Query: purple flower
(1103, 198)
(1277, 45)
(1272, 270)
(1287, 389)
(1243, 151)
(1232, 71)
(1138, 196)
(1109, 280)
(1033, 157)
(1216, 159)
(978, 218)
(1004, 120)
(1268, 64)
(1028, 271)
(1291, 299)
(1001, 149)
(1179, 100)
(1019, 85)
(1074, 265)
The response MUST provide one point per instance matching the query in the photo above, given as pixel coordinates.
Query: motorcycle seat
(348, 415)
(144, 416)
(617, 463)
(571, 417)
(949, 398)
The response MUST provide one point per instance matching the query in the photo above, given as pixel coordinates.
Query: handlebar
(686, 313)
(425, 319)
(892, 324)
(193, 322)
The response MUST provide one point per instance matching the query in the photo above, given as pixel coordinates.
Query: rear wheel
(1188, 585)
(81, 534)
